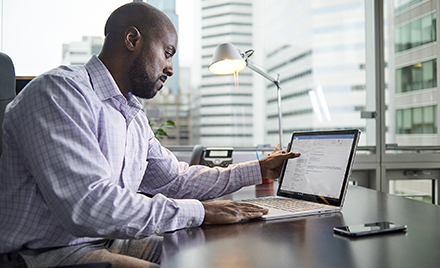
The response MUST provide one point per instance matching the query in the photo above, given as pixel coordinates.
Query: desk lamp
(228, 60)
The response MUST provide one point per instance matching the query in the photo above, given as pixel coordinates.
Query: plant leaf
(161, 132)
(169, 123)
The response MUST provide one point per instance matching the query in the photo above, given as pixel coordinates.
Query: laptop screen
(321, 172)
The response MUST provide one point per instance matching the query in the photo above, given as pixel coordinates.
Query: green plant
(160, 131)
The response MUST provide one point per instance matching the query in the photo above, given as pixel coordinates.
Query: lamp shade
(226, 60)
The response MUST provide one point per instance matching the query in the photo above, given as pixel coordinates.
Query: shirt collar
(103, 83)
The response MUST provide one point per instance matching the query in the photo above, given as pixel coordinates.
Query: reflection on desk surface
(250, 244)
(310, 241)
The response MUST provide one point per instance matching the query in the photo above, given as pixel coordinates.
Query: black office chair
(7, 88)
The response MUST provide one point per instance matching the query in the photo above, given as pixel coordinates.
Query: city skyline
(320, 59)
(33, 57)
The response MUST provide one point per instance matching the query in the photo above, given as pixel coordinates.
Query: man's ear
(132, 38)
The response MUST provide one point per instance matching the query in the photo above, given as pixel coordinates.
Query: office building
(169, 8)
(300, 40)
(170, 106)
(414, 98)
(320, 56)
(323, 82)
(223, 114)
(413, 83)
(174, 100)
(333, 65)
(79, 52)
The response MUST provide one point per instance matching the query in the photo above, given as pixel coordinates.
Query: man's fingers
(271, 165)
(251, 215)
(227, 211)
(249, 207)
(287, 155)
(251, 211)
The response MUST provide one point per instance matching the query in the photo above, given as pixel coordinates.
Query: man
(78, 149)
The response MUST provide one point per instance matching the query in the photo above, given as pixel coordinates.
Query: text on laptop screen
(321, 167)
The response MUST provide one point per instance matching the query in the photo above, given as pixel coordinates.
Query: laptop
(316, 182)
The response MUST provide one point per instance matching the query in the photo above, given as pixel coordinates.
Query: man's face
(151, 68)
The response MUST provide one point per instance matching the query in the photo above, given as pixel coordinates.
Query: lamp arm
(253, 67)
(276, 81)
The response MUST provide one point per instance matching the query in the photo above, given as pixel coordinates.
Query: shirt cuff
(191, 211)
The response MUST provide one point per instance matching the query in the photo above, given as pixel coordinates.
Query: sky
(33, 31)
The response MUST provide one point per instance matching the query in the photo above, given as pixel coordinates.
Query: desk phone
(212, 156)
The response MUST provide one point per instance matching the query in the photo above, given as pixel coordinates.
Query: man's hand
(228, 211)
(271, 165)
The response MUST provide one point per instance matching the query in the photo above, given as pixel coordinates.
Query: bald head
(146, 18)
(140, 42)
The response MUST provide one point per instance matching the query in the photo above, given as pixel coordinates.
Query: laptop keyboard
(286, 205)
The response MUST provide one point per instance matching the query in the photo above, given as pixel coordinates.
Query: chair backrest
(7, 88)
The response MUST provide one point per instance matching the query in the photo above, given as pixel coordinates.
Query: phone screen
(369, 228)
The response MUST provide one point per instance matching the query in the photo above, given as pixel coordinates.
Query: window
(410, 157)
(326, 54)
(418, 120)
(416, 33)
(414, 189)
(50, 24)
(422, 75)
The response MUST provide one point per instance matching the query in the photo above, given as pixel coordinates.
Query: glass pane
(414, 189)
(319, 55)
(416, 75)
(322, 66)
(406, 37)
(398, 40)
(411, 47)
(429, 120)
(399, 121)
(428, 115)
(429, 74)
(416, 34)
(417, 116)
(399, 83)
(417, 121)
(51, 27)
(407, 121)
(428, 25)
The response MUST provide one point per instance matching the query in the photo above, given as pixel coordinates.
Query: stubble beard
(142, 85)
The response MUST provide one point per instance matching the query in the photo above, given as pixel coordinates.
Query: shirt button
(189, 223)
(157, 231)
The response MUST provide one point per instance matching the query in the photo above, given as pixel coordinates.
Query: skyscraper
(223, 114)
(318, 48)
(413, 80)
(173, 102)
(169, 8)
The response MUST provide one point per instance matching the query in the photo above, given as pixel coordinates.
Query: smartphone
(369, 228)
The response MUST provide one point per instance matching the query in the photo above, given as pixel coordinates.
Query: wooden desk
(310, 241)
